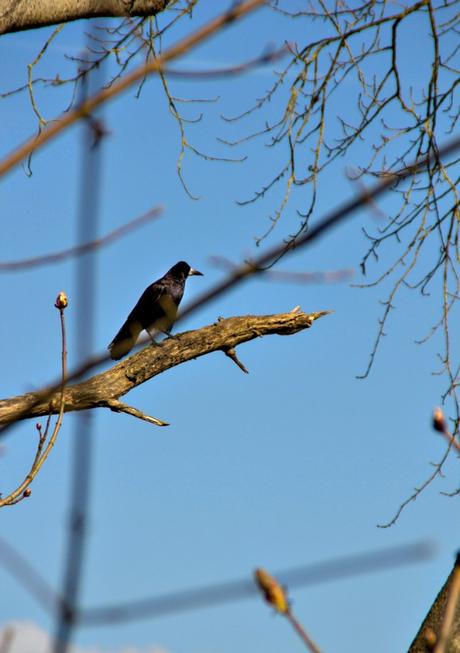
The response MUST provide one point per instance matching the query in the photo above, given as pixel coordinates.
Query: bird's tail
(125, 339)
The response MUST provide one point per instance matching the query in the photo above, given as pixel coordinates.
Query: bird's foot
(154, 342)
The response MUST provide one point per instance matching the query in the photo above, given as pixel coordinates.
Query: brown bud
(439, 422)
(38, 426)
(273, 593)
(61, 300)
(27, 492)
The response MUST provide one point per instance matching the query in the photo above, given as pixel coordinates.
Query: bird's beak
(195, 272)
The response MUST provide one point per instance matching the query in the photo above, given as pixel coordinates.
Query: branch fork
(105, 389)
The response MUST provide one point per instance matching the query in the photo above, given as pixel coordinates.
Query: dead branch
(17, 16)
(119, 407)
(240, 273)
(100, 390)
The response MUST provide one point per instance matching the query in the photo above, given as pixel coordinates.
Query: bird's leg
(169, 333)
(154, 342)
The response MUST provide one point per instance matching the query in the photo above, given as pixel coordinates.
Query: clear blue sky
(295, 462)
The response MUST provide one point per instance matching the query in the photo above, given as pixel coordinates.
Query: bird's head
(183, 269)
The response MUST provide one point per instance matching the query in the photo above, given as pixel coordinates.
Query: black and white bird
(156, 310)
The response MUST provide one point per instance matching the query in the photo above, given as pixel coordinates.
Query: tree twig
(120, 407)
(439, 425)
(86, 107)
(300, 630)
(231, 353)
(55, 257)
(23, 491)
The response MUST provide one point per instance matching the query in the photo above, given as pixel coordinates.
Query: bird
(156, 310)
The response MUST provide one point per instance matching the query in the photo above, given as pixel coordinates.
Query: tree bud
(61, 300)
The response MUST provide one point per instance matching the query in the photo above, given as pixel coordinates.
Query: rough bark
(427, 636)
(104, 390)
(17, 15)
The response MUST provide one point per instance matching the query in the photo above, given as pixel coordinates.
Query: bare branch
(86, 107)
(120, 407)
(304, 636)
(55, 257)
(288, 276)
(439, 424)
(23, 491)
(100, 390)
(25, 408)
(231, 353)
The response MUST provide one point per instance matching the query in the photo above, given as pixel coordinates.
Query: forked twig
(23, 490)
(86, 107)
(439, 425)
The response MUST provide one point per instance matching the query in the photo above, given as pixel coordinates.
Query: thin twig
(267, 57)
(86, 107)
(439, 424)
(78, 250)
(23, 491)
(231, 353)
(334, 217)
(287, 276)
(300, 630)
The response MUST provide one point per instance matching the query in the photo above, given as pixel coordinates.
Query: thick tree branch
(427, 637)
(101, 390)
(17, 15)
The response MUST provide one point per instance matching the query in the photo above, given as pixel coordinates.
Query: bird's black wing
(155, 309)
